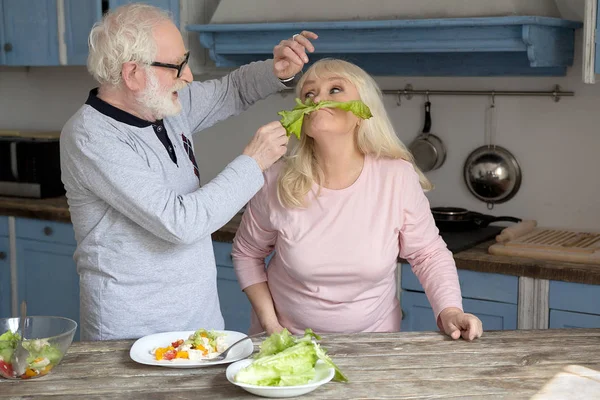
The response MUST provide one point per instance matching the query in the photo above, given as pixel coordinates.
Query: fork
(19, 358)
(223, 355)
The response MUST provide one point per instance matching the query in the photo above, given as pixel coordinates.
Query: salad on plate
(201, 345)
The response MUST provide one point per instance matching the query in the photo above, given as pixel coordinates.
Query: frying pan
(428, 149)
(452, 219)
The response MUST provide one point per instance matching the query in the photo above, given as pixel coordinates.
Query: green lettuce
(39, 348)
(8, 343)
(292, 120)
(284, 360)
(196, 338)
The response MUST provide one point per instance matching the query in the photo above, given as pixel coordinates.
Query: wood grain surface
(54, 208)
(412, 365)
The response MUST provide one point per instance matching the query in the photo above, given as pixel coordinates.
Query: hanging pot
(428, 149)
(492, 173)
(452, 219)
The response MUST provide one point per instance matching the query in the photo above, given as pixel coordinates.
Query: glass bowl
(47, 340)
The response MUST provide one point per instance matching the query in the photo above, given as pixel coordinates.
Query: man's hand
(289, 56)
(268, 144)
(456, 323)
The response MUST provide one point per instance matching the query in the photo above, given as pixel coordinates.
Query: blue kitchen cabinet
(417, 314)
(29, 32)
(574, 305)
(46, 273)
(80, 16)
(235, 305)
(567, 319)
(3, 226)
(491, 297)
(4, 269)
(4, 279)
(170, 5)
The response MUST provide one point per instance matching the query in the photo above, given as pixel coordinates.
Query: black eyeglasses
(178, 67)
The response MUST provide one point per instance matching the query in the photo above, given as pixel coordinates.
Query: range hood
(401, 38)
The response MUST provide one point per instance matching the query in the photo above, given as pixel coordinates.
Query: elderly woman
(337, 212)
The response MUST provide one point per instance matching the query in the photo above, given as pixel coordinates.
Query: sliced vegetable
(6, 368)
(201, 341)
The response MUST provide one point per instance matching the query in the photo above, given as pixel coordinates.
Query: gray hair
(123, 35)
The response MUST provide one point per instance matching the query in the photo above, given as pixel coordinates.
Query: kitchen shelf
(487, 46)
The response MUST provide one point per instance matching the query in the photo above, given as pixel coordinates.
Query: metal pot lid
(492, 174)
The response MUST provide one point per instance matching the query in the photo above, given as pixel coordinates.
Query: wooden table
(415, 365)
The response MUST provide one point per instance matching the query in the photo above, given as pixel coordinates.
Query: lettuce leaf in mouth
(292, 120)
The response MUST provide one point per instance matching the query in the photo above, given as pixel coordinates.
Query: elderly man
(142, 222)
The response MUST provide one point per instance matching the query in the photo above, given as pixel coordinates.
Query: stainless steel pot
(491, 172)
(428, 149)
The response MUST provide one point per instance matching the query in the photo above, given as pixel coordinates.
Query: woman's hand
(456, 323)
(289, 56)
(273, 328)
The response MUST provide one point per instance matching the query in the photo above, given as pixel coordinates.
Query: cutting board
(552, 244)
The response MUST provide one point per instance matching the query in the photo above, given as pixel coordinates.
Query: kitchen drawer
(45, 231)
(568, 319)
(3, 226)
(473, 285)
(578, 297)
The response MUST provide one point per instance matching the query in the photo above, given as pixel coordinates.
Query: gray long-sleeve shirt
(142, 224)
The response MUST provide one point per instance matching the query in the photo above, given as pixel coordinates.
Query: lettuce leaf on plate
(284, 360)
(292, 120)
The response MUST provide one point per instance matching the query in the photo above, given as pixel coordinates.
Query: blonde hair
(376, 136)
(123, 35)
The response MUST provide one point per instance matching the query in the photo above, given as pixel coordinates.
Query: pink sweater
(334, 264)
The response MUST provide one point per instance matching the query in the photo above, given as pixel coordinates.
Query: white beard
(157, 100)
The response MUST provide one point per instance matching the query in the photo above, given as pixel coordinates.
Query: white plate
(323, 375)
(141, 351)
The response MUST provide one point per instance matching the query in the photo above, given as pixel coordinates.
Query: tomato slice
(177, 343)
(6, 368)
(169, 355)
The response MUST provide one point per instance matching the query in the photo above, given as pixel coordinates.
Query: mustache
(178, 86)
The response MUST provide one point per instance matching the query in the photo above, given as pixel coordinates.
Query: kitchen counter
(478, 259)
(499, 365)
(53, 209)
(475, 259)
